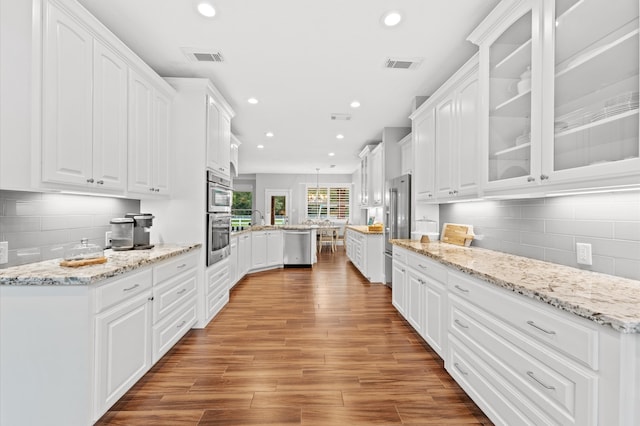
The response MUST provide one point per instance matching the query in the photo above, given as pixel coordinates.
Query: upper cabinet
(376, 176)
(235, 150)
(423, 133)
(84, 108)
(559, 90)
(406, 155)
(218, 136)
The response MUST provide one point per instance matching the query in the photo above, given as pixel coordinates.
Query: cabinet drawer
(122, 289)
(427, 267)
(216, 301)
(172, 293)
(567, 391)
(173, 267)
(557, 329)
(399, 254)
(169, 331)
(217, 279)
(502, 404)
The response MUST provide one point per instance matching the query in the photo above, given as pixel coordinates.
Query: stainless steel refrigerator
(397, 217)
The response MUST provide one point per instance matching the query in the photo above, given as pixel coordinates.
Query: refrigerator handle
(393, 213)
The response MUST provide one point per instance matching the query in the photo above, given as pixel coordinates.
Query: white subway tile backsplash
(548, 228)
(39, 226)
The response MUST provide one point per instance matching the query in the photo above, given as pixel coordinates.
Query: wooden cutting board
(83, 262)
(460, 235)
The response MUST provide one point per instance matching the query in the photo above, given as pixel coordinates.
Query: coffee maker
(142, 222)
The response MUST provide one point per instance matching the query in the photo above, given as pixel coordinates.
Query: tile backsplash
(39, 226)
(549, 228)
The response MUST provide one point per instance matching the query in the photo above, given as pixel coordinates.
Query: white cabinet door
(376, 176)
(424, 136)
(244, 254)
(123, 348)
(213, 134)
(466, 160)
(161, 143)
(415, 301)
(275, 247)
(445, 139)
(67, 100)
(435, 314)
(233, 261)
(406, 155)
(140, 134)
(398, 289)
(109, 118)
(258, 249)
(224, 153)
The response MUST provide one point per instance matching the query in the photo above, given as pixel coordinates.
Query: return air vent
(338, 116)
(202, 55)
(403, 63)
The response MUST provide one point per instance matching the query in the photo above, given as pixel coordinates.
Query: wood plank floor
(317, 346)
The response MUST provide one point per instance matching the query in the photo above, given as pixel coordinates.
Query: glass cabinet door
(510, 68)
(595, 86)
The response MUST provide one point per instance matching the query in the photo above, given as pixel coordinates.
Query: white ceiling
(303, 60)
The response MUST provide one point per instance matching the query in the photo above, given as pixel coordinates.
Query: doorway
(277, 210)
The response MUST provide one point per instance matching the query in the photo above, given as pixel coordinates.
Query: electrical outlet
(583, 251)
(107, 239)
(4, 252)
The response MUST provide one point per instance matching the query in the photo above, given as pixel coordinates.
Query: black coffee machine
(141, 224)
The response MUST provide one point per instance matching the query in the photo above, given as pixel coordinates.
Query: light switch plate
(4, 252)
(583, 251)
(107, 239)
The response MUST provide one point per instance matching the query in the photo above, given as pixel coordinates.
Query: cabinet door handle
(457, 366)
(422, 266)
(403, 270)
(131, 288)
(90, 180)
(157, 190)
(531, 179)
(544, 177)
(533, 324)
(100, 182)
(181, 266)
(152, 189)
(460, 324)
(530, 374)
(182, 291)
(464, 290)
(181, 324)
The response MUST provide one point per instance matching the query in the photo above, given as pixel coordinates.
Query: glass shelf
(518, 152)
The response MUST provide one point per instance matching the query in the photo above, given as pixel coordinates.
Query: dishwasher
(297, 248)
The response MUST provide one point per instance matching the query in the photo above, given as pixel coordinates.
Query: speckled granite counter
(274, 228)
(118, 262)
(363, 229)
(604, 299)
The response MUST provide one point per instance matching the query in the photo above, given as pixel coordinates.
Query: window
(241, 209)
(328, 202)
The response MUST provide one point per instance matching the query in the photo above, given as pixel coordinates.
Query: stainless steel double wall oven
(219, 201)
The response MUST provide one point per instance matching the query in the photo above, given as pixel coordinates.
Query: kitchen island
(74, 340)
(365, 249)
(529, 341)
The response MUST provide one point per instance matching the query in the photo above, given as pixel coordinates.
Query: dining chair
(340, 236)
(325, 237)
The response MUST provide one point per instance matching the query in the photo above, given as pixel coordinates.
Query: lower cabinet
(216, 288)
(233, 261)
(266, 249)
(244, 254)
(366, 252)
(522, 361)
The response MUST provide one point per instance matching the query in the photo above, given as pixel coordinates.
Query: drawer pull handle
(460, 324)
(182, 291)
(464, 290)
(181, 324)
(464, 373)
(403, 270)
(533, 324)
(181, 266)
(530, 374)
(131, 288)
(422, 266)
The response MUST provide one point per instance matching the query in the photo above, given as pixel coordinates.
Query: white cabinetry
(149, 137)
(376, 176)
(456, 135)
(399, 281)
(233, 261)
(216, 288)
(556, 115)
(244, 254)
(366, 252)
(406, 155)
(423, 133)
(123, 336)
(84, 107)
(266, 249)
(218, 137)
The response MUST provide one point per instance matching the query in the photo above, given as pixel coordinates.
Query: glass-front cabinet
(595, 125)
(559, 95)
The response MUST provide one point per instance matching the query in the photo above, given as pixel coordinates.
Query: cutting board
(83, 262)
(460, 235)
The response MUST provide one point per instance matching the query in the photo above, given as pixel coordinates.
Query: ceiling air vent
(404, 64)
(202, 55)
(338, 116)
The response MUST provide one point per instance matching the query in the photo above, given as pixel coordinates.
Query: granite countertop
(605, 299)
(274, 228)
(364, 229)
(50, 272)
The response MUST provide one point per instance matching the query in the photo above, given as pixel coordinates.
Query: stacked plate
(617, 105)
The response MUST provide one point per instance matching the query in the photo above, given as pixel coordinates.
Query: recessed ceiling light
(252, 101)
(269, 134)
(260, 146)
(391, 19)
(340, 136)
(355, 104)
(206, 9)
(331, 154)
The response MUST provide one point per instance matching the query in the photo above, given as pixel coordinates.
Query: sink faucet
(261, 216)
